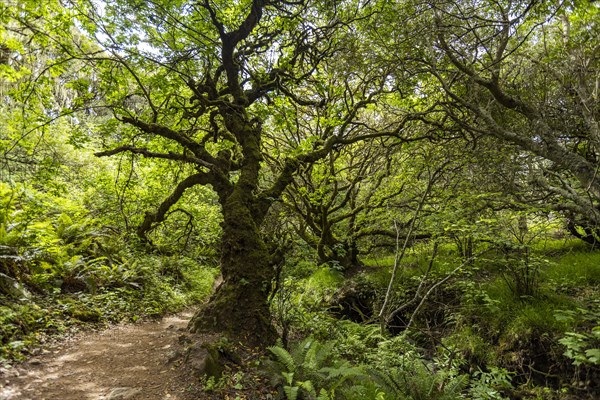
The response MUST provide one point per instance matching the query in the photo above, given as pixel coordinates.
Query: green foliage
(310, 370)
(491, 333)
(575, 269)
(583, 344)
(489, 385)
(583, 348)
(80, 270)
(67, 218)
(322, 284)
(471, 345)
(65, 236)
(416, 380)
(522, 272)
(390, 369)
(355, 341)
(128, 291)
(401, 371)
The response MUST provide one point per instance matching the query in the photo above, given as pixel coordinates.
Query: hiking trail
(124, 362)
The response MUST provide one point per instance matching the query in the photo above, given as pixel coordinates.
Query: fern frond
(308, 387)
(291, 392)
(283, 357)
(300, 350)
(310, 361)
(338, 375)
(387, 382)
(323, 395)
(289, 377)
(324, 352)
(457, 384)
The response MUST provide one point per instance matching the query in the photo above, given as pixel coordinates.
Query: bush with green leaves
(489, 385)
(583, 343)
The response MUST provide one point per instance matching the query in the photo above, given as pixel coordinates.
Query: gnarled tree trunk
(239, 307)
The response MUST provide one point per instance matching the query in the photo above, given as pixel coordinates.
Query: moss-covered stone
(85, 314)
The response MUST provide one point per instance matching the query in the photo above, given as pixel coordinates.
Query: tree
(202, 84)
(526, 73)
(330, 202)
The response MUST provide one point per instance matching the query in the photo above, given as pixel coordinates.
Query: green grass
(487, 324)
(321, 284)
(575, 268)
(537, 310)
(556, 247)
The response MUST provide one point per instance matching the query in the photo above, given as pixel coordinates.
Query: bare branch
(149, 154)
(152, 219)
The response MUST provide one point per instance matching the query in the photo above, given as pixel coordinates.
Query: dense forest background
(396, 199)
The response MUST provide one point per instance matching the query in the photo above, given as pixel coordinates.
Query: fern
(291, 392)
(388, 383)
(308, 388)
(299, 352)
(323, 395)
(283, 357)
(310, 370)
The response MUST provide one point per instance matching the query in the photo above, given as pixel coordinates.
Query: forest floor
(127, 361)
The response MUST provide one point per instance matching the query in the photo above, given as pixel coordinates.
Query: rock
(173, 356)
(123, 393)
(205, 359)
(13, 288)
(85, 314)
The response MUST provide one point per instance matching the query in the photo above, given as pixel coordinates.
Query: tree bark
(239, 308)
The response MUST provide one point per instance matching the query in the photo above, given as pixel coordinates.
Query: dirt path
(124, 362)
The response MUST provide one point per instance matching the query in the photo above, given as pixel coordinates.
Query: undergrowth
(27, 322)
(477, 337)
(62, 267)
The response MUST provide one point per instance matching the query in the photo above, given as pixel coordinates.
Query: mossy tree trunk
(240, 306)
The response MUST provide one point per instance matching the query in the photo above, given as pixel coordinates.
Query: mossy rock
(81, 312)
(205, 359)
(210, 361)
(13, 288)
(86, 315)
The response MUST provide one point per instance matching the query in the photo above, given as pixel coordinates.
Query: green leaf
(323, 395)
(289, 377)
(283, 357)
(593, 356)
(291, 392)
